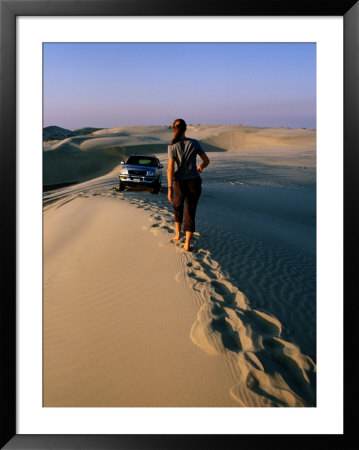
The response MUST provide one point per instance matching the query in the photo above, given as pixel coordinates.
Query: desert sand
(131, 319)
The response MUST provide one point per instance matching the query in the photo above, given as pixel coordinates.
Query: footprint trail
(267, 370)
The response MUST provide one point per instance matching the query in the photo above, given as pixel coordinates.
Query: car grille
(141, 173)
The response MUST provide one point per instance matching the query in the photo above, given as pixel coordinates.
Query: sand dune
(130, 319)
(82, 157)
(117, 314)
(123, 309)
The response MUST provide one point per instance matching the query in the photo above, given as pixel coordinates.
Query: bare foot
(176, 240)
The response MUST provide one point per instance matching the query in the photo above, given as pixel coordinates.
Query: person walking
(184, 183)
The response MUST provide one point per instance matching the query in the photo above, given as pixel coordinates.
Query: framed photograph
(250, 307)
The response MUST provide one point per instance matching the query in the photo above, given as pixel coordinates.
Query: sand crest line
(268, 370)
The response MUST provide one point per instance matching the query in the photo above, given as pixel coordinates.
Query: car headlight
(149, 173)
(124, 171)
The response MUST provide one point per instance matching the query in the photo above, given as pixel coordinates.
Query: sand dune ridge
(131, 319)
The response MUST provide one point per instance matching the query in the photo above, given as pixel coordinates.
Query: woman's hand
(205, 163)
(169, 195)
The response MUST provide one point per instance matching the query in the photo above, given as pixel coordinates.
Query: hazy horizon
(169, 124)
(107, 85)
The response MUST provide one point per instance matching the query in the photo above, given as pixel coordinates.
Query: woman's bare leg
(189, 235)
(178, 226)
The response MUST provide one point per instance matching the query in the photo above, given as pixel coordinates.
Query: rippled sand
(131, 319)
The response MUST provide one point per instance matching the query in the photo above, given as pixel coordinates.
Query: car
(144, 171)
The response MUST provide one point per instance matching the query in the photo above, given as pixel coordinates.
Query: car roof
(143, 156)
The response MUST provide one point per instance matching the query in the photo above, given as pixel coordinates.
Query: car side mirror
(161, 166)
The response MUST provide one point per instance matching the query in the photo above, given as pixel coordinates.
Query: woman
(184, 184)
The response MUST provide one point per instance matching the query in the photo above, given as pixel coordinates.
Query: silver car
(143, 171)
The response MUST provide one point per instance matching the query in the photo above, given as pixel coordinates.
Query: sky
(108, 85)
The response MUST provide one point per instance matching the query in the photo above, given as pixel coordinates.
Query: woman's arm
(205, 162)
(170, 171)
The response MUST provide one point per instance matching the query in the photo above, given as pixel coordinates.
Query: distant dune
(55, 133)
(79, 155)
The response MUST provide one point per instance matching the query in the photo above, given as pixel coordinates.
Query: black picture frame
(9, 10)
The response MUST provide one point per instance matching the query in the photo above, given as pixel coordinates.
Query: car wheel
(156, 188)
(121, 186)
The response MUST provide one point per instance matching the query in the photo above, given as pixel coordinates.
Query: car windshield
(141, 161)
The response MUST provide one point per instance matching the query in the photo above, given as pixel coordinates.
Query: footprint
(176, 242)
(265, 324)
(223, 292)
(178, 277)
(229, 336)
(218, 310)
(197, 277)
